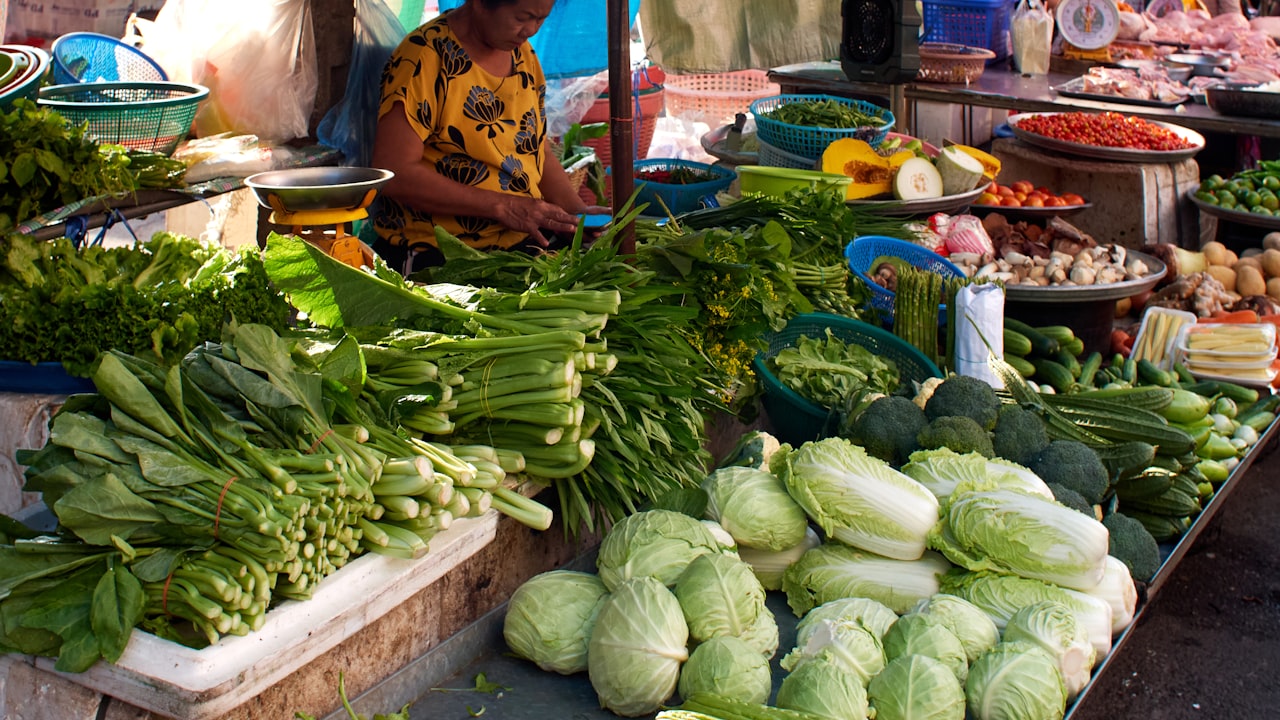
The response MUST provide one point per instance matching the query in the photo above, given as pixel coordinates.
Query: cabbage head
(916, 687)
(820, 686)
(636, 648)
(977, 632)
(728, 546)
(1000, 596)
(550, 616)
(769, 565)
(728, 667)
(1054, 629)
(916, 634)
(719, 595)
(847, 643)
(1015, 681)
(652, 543)
(754, 507)
(858, 499)
(871, 614)
(833, 570)
(989, 528)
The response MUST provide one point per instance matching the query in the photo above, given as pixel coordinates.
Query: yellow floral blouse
(476, 128)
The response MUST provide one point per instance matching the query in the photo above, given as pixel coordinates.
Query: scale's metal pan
(318, 188)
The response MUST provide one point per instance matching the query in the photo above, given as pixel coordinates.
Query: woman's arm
(416, 184)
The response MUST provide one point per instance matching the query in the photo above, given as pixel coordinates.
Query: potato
(1251, 252)
(1271, 241)
(1224, 275)
(1273, 288)
(1231, 258)
(1270, 259)
(1252, 261)
(1216, 253)
(1249, 281)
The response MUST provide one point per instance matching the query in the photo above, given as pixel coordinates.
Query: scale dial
(1088, 24)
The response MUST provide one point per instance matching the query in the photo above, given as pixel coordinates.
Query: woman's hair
(495, 4)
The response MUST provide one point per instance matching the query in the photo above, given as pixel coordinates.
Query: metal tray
(1014, 214)
(947, 204)
(1074, 88)
(1234, 99)
(713, 142)
(1090, 293)
(1268, 222)
(1099, 152)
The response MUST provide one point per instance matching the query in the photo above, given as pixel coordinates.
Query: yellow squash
(872, 172)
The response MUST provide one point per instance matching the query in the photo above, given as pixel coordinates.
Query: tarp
(709, 36)
(574, 41)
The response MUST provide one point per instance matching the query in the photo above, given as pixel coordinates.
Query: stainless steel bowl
(1177, 71)
(1238, 99)
(1203, 65)
(317, 188)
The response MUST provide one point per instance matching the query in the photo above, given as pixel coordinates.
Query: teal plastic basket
(679, 198)
(797, 419)
(864, 250)
(810, 141)
(140, 115)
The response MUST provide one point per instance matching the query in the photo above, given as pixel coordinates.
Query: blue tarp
(573, 42)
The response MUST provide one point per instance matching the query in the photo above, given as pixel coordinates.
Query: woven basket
(777, 157)
(948, 63)
(796, 419)
(716, 98)
(808, 141)
(864, 250)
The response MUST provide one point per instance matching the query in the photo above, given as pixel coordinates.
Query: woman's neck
(464, 24)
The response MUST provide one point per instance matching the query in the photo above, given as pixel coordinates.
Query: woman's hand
(532, 216)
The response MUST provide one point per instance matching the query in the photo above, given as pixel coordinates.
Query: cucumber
(1022, 365)
(1015, 343)
(1061, 333)
(1068, 361)
(1089, 369)
(1040, 343)
(1129, 371)
(1075, 347)
(1149, 372)
(1054, 373)
(1238, 393)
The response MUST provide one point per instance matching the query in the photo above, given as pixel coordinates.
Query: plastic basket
(864, 250)
(90, 57)
(947, 63)
(776, 157)
(777, 182)
(809, 141)
(138, 115)
(797, 419)
(716, 98)
(976, 23)
(646, 106)
(678, 198)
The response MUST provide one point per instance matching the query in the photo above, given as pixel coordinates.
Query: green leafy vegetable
(828, 370)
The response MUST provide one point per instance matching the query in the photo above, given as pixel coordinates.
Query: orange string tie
(323, 436)
(628, 121)
(164, 595)
(217, 514)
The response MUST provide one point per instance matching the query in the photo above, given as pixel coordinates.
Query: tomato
(1072, 199)
(1004, 191)
(1022, 186)
(994, 188)
(1107, 129)
(1044, 191)
(1011, 202)
(1021, 196)
(1034, 201)
(988, 198)
(1053, 201)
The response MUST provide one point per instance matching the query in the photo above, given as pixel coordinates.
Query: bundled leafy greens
(828, 370)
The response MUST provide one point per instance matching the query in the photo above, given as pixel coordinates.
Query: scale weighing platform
(317, 203)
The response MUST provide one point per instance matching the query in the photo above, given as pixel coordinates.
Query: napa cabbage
(1053, 628)
(976, 631)
(769, 565)
(833, 570)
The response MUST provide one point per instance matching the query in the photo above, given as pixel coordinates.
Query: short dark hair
(495, 4)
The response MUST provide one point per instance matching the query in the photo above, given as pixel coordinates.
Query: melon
(960, 171)
(917, 179)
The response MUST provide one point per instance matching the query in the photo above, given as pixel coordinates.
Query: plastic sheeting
(573, 42)
(708, 36)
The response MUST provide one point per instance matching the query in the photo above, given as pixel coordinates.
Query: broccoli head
(960, 433)
(1071, 499)
(1073, 465)
(887, 428)
(1019, 434)
(1132, 544)
(962, 395)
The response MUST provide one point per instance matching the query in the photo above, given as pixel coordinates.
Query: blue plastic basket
(976, 23)
(864, 250)
(796, 419)
(91, 57)
(809, 141)
(679, 198)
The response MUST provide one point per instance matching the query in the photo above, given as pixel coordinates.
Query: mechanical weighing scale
(317, 203)
(1088, 28)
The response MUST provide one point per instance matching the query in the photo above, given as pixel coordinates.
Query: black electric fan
(880, 40)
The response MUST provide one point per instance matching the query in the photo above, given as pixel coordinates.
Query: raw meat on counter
(1149, 82)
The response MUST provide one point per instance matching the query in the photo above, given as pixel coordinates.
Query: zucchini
(1054, 373)
(1040, 343)
(1187, 406)
(1213, 470)
(1149, 372)
(1173, 502)
(1152, 483)
(1161, 527)
(1015, 343)
(1126, 459)
(1022, 365)
(1089, 369)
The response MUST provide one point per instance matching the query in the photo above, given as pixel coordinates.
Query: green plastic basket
(796, 419)
(140, 115)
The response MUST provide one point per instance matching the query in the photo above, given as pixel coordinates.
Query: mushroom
(1119, 254)
(1137, 268)
(1017, 259)
(1110, 274)
(1082, 275)
(987, 270)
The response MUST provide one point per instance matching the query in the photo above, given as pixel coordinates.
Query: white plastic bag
(1031, 33)
(257, 57)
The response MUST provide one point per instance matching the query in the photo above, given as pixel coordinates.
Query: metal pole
(621, 130)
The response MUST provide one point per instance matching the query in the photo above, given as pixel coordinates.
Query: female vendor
(462, 124)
